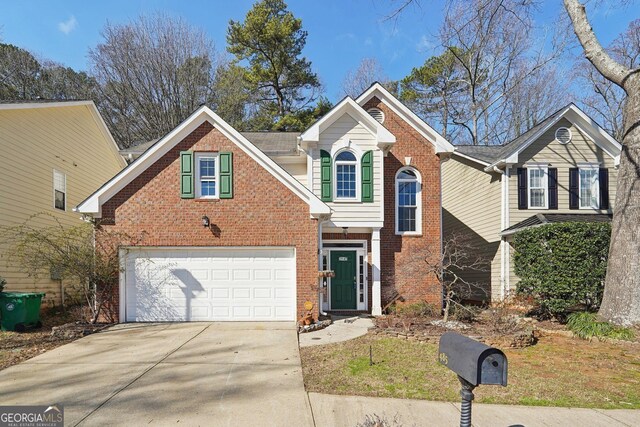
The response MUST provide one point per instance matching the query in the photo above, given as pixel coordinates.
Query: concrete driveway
(223, 374)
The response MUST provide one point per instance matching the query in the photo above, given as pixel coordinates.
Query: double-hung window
(59, 190)
(346, 176)
(207, 175)
(538, 187)
(589, 187)
(408, 209)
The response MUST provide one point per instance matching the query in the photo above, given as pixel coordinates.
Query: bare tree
(602, 99)
(85, 258)
(494, 57)
(358, 80)
(452, 266)
(621, 300)
(153, 72)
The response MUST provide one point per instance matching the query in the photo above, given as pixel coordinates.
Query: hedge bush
(563, 266)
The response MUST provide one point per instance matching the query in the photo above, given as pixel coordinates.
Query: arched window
(346, 176)
(408, 202)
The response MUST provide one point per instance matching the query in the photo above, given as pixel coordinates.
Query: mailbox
(475, 362)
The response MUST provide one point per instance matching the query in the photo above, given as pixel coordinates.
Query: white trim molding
(349, 106)
(418, 230)
(376, 292)
(440, 144)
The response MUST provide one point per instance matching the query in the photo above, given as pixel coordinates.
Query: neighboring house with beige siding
(564, 169)
(54, 154)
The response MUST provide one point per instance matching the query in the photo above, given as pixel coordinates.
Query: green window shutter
(226, 175)
(367, 176)
(187, 179)
(325, 176)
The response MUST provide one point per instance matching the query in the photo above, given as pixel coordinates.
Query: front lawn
(557, 371)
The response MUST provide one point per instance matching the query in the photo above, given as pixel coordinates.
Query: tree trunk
(621, 301)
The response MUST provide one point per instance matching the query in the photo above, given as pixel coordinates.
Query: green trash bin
(20, 310)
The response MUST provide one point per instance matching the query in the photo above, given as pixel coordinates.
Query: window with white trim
(589, 187)
(408, 202)
(59, 190)
(538, 187)
(207, 175)
(346, 175)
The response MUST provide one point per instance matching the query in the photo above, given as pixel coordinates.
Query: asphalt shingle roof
(493, 153)
(272, 143)
(551, 218)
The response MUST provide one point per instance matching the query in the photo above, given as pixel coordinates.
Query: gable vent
(563, 135)
(376, 114)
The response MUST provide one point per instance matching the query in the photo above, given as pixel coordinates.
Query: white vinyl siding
(347, 128)
(471, 207)
(35, 142)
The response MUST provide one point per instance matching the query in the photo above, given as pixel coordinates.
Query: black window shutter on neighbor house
(603, 180)
(574, 189)
(553, 188)
(522, 188)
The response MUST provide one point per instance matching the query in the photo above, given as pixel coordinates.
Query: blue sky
(341, 32)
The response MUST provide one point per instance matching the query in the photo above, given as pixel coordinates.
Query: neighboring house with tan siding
(563, 169)
(54, 154)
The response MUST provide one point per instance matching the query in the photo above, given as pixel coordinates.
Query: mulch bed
(511, 334)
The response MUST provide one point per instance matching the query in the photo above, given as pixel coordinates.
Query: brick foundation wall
(402, 257)
(263, 212)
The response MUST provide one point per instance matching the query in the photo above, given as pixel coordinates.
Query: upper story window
(59, 190)
(538, 187)
(589, 187)
(408, 202)
(207, 175)
(346, 176)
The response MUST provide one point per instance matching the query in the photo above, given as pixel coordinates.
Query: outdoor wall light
(345, 231)
(205, 221)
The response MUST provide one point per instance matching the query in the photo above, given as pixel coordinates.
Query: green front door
(343, 285)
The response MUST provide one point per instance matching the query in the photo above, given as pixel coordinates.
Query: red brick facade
(402, 257)
(262, 212)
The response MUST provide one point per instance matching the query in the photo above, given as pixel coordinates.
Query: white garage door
(221, 284)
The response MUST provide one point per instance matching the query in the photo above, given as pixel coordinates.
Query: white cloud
(424, 44)
(68, 25)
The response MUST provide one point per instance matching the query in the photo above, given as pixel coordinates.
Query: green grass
(587, 326)
(557, 372)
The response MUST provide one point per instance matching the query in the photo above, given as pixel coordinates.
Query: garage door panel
(175, 284)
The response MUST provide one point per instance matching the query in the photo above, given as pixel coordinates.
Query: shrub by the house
(563, 266)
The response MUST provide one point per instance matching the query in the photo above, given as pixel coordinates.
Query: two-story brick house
(237, 226)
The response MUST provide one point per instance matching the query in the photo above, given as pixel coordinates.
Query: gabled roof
(510, 151)
(49, 103)
(93, 204)
(547, 218)
(376, 89)
(483, 154)
(271, 143)
(349, 106)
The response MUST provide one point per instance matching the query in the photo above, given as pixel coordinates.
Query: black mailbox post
(475, 363)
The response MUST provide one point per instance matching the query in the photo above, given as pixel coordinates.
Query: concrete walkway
(348, 411)
(222, 374)
(342, 329)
